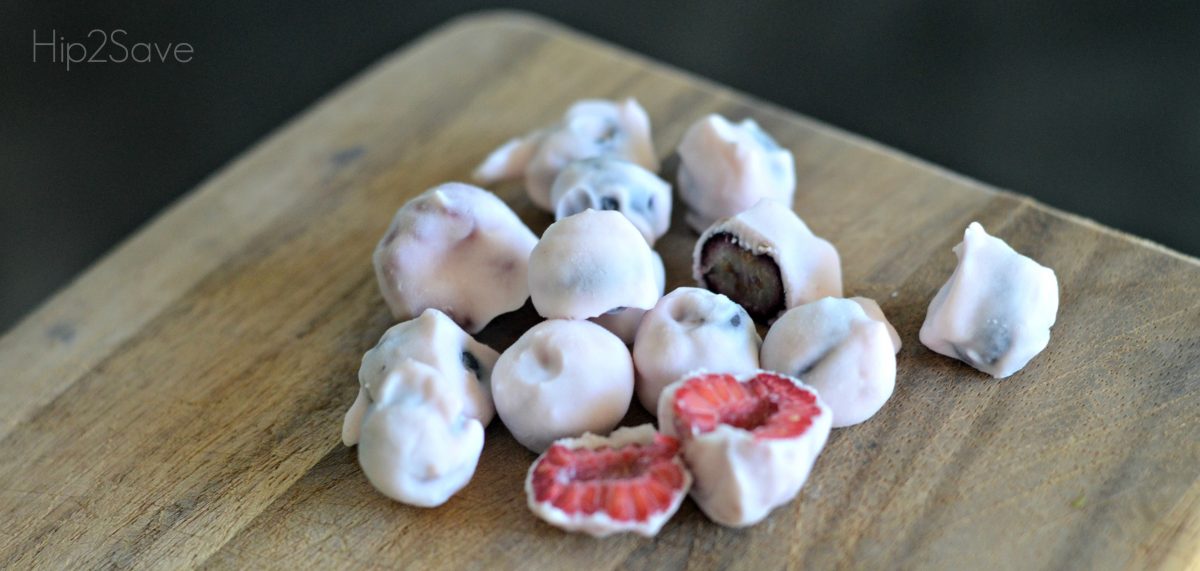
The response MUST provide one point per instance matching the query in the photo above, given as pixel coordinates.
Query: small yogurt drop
(590, 128)
(624, 322)
(835, 347)
(456, 248)
(463, 366)
(562, 378)
(726, 168)
(610, 183)
(750, 440)
(996, 310)
(767, 260)
(691, 329)
(417, 446)
(589, 264)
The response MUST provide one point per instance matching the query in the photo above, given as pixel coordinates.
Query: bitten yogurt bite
(562, 378)
(749, 440)
(767, 260)
(463, 366)
(996, 310)
(590, 128)
(725, 168)
(835, 347)
(631, 481)
(458, 249)
(417, 445)
(690, 329)
(590, 263)
(610, 183)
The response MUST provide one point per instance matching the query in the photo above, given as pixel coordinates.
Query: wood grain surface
(180, 403)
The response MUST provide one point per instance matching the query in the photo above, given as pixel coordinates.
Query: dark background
(1093, 107)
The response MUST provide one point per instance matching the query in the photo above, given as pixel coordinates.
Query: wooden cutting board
(180, 403)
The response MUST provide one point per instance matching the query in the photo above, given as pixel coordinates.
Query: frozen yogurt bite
(590, 128)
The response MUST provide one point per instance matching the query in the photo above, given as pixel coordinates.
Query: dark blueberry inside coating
(804, 368)
(962, 355)
(736, 320)
(752, 280)
(609, 203)
(993, 340)
(990, 343)
(607, 135)
(472, 364)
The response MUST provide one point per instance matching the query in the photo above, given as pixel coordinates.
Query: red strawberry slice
(767, 405)
(750, 440)
(632, 481)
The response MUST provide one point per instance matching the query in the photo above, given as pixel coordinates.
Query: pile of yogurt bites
(741, 419)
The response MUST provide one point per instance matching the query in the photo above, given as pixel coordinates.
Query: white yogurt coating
(456, 248)
(463, 366)
(996, 310)
(589, 264)
(808, 265)
(599, 524)
(689, 329)
(610, 183)
(416, 445)
(624, 322)
(835, 347)
(562, 378)
(590, 128)
(872, 309)
(738, 478)
(725, 168)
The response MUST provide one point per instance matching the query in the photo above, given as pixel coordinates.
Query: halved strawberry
(633, 480)
(750, 440)
(767, 405)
